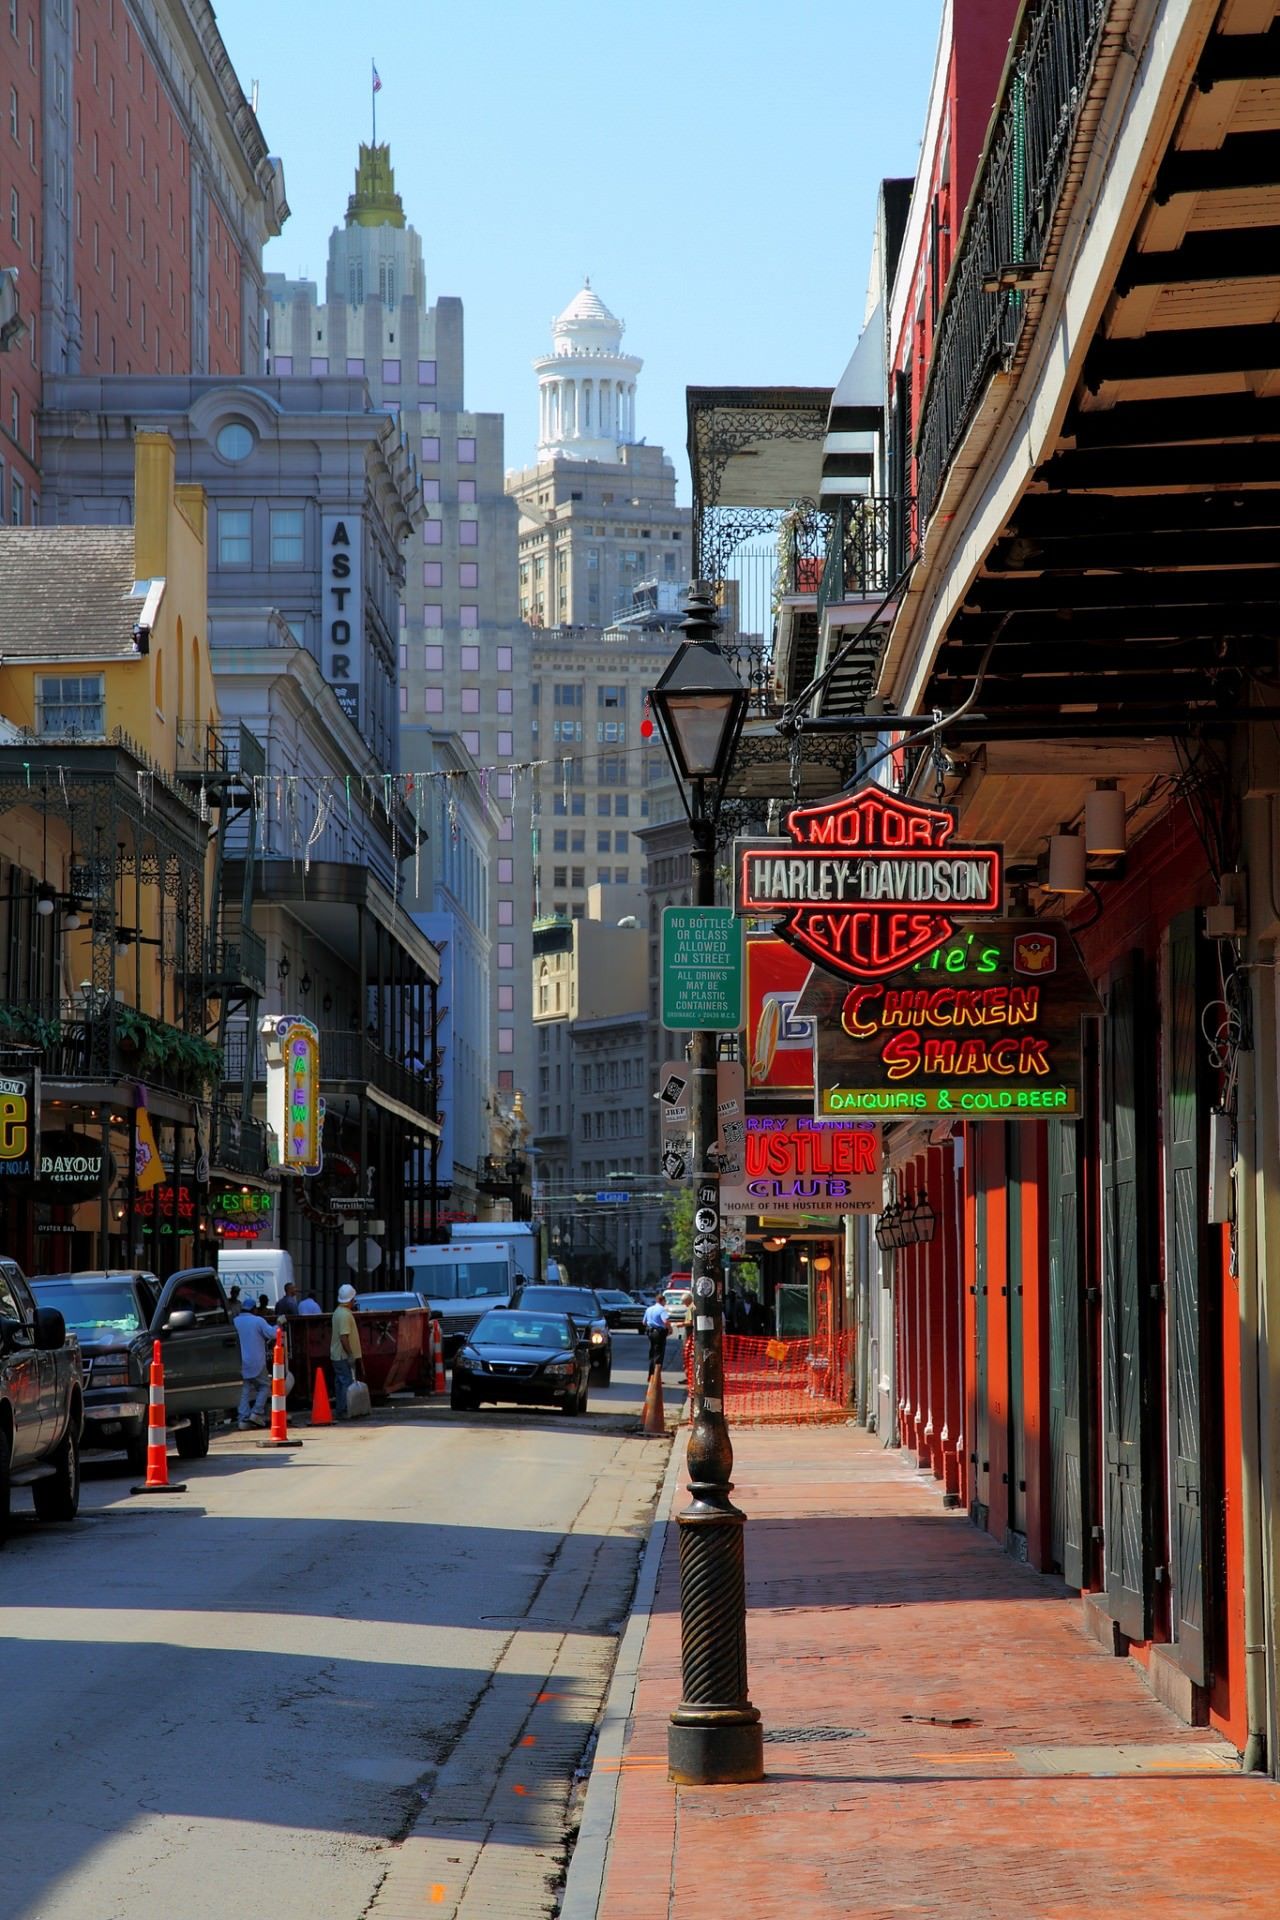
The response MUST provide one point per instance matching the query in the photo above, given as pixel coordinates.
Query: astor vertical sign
(342, 612)
(868, 883)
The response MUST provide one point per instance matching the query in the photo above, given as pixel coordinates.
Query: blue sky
(712, 164)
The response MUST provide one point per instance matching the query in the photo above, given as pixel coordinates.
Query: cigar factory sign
(868, 883)
(986, 1026)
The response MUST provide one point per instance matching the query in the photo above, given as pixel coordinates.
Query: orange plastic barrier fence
(783, 1381)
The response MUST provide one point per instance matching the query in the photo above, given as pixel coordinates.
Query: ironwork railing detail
(872, 539)
(349, 1056)
(239, 1144)
(1008, 226)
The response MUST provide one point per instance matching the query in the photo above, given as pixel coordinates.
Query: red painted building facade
(137, 195)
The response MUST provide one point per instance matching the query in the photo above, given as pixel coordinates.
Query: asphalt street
(356, 1678)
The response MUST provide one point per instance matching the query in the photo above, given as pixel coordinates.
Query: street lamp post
(715, 1735)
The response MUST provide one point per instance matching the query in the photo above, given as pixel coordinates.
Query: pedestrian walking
(657, 1324)
(344, 1349)
(255, 1366)
(309, 1304)
(287, 1305)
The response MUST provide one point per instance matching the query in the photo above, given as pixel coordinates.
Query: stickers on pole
(676, 1090)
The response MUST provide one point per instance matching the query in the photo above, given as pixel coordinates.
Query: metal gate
(1128, 1276)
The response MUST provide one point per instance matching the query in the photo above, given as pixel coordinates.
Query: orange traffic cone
(158, 1480)
(437, 1342)
(279, 1435)
(321, 1411)
(654, 1420)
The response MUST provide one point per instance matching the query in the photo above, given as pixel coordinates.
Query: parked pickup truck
(117, 1316)
(41, 1403)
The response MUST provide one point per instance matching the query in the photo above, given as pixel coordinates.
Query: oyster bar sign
(868, 883)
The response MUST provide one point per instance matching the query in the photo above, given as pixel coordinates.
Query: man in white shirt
(256, 1342)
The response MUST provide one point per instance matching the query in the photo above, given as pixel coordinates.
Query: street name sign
(701, 969)
(614, 1199)
(867, 883)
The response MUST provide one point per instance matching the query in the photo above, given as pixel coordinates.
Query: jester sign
(868, 883)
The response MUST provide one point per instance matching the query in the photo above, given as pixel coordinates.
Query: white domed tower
(586, 384)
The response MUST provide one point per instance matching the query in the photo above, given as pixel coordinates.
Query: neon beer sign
(868, 883)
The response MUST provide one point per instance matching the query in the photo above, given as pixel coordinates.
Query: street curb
(584, 1884)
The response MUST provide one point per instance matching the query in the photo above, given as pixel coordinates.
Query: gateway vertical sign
(868, 883)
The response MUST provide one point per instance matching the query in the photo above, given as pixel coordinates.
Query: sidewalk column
(932, 1251)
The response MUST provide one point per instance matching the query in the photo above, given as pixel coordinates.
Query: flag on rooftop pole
(377, 89)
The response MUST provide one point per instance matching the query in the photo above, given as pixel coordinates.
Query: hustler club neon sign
(868, 883)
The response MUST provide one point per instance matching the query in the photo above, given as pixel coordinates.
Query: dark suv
(117, 1316)
(40, 1403)
(583, 1306)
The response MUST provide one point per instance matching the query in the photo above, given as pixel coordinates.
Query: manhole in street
(812, 1736)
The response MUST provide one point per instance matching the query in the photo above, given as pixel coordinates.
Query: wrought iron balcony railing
(239, 1145)
(872, 538)
(1007, 227)
(238, 959)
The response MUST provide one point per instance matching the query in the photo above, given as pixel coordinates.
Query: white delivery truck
(463, 1279)
(255, 1270)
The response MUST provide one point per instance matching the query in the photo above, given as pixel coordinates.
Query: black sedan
(584, 1305)
(534, 1357)
(623, 1314)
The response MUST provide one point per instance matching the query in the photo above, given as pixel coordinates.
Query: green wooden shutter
(1127, 1275)
(1186, 1116)
(1068, 1427)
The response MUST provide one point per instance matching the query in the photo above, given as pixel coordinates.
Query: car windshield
(462, 1279)
(567, 1299)
(616, 1299)
(93, 1306)
(521, 1330)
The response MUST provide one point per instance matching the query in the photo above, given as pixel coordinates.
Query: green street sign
(701, 969)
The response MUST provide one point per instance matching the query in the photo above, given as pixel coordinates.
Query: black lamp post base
(715, 1756)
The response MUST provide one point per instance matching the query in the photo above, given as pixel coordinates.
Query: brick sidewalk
(982, 1760)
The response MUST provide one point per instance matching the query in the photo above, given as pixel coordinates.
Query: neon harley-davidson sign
(868, 883)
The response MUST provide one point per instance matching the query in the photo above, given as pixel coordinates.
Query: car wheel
(5, 1453)
(192, 1441)
(571, 1404)
(136, 1453)
(58, 1497)
(604, 1374)
(461, 1401)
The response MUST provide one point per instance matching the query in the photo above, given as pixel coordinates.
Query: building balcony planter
(154, 1050)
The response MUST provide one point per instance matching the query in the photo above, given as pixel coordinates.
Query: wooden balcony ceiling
(1140, 572)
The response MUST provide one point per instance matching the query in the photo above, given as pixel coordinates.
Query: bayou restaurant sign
(987, 1026)
(868, 883)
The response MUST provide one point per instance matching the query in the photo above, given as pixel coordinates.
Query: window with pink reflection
(404, 657)
(506, 872)
(506, 913)
(355, 367)
(282, 364)
(506, 1035)
(505, 745)
(468, 574)
(466, 493)
(433, 700)
(433, 616)
(433, 573)
(470, 700)
(505, 830)
(504, 700)
(506, 999)
(471, 740)
(468, 533)
(468, 616)
(391, 373)
(430, 446)
(504, 659)
(469, 659)
(431, 491)
(466, 450)
(404, 699)
(506, 954)
(426, 373)
(433, 659)
(433, 533)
